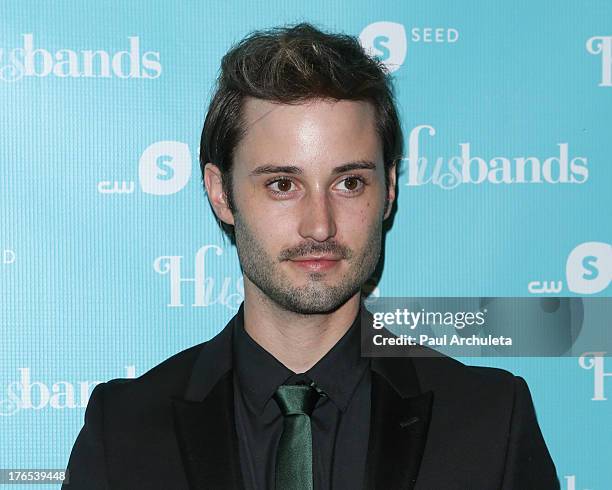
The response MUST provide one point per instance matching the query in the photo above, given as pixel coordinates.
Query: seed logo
(32, 61)
(388, 41)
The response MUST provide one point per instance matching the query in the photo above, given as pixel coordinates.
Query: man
(298, 154)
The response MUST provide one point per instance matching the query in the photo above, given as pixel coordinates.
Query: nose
(317, 218)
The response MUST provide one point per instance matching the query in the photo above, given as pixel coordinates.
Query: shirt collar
(337, 373)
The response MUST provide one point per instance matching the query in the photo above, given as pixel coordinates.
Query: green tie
(294, 455)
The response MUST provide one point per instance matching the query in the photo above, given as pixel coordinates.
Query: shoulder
(432, 364)
(487, 417)
(452, 381)
(488, 401)
(154, 387)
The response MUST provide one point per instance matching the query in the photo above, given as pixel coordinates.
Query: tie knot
(296, 399)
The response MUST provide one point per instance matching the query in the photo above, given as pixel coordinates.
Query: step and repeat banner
(111, 260)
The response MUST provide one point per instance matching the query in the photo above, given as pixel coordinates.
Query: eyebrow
(292, 169)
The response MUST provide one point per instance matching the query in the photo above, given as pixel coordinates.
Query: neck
(296, 340)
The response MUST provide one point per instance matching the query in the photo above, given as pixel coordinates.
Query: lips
(310, 258)
(317, 262)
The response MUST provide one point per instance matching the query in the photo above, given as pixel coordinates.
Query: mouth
(316, 263)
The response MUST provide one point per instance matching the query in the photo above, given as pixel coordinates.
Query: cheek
(367, 208)
(268, 225)
(357, 221)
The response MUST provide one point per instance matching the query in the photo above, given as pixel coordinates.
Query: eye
(283, 185)
(353, 183)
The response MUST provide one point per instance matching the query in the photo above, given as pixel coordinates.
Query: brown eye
(284, 185)
(351, 183)
(280, 186)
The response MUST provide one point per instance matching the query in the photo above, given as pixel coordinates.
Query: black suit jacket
(436, 424)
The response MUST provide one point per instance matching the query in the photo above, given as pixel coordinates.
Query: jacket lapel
(204, 419)
(208, 442)
(399, 423)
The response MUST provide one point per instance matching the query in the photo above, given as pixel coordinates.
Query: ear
(390, 197)
(216, 196)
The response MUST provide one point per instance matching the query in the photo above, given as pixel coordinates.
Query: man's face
(294, 201)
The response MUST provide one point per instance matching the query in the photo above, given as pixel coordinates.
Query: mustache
(304, 249)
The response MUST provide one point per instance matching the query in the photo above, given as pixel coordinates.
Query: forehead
(318, 130)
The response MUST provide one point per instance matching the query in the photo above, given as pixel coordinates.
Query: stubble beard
(316, 296)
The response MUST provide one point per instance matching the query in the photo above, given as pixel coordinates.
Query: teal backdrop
(111, 261)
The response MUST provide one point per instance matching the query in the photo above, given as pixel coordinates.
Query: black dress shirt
(340, 421)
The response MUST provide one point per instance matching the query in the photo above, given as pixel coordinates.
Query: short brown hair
(290, 65)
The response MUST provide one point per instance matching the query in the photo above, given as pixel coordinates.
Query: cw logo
(164, 168)
(588, 268)
(386, 41)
